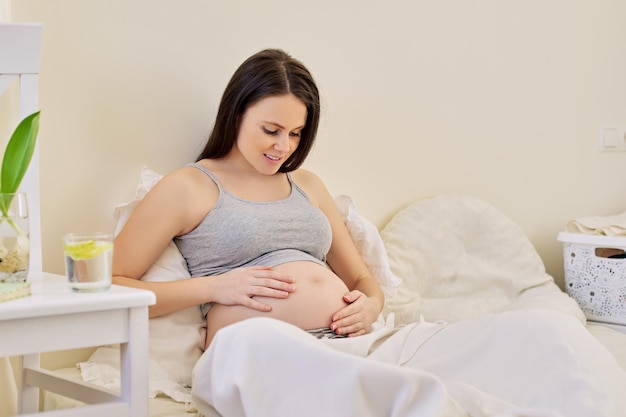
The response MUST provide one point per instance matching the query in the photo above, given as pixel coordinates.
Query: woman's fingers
(352, 320)
(266, 272)
(250, 302)
(262, 281)
(269, 283)
(273, 285)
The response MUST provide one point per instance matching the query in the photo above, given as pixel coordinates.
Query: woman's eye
(295, 134)
(269, 131)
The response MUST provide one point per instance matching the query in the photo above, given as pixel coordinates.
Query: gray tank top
(238, 233)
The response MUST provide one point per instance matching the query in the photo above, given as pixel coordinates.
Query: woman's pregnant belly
(318, 295)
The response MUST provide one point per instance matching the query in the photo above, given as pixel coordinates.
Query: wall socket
(613, 137)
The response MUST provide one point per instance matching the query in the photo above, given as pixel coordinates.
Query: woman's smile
(271, 127)
(273, 159)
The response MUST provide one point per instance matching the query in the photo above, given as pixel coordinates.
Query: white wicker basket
(597, 283)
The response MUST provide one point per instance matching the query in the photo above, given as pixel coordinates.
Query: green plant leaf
(18, 154)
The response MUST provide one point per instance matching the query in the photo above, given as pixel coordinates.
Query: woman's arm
(365, 299)
(165, 212)
(175, 206)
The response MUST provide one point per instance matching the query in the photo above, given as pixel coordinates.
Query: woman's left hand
(356, 318)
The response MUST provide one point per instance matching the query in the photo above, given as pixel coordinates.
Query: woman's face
(270, 132)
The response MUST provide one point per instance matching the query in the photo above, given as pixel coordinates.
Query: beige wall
(501, 100)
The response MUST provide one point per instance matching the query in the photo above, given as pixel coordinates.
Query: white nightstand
(54, 318)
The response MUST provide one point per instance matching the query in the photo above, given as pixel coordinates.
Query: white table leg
(134, 364)
(28, 399)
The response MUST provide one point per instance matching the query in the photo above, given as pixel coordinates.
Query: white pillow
(368, 242)
(461, 258)
(177, 339)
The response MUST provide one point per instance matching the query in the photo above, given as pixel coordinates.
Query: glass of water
(88, 261)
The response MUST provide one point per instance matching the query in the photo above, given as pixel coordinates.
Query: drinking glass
(88, 261)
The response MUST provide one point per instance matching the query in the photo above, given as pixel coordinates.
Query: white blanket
(519, 363)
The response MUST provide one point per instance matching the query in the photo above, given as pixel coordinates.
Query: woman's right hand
(239, 286)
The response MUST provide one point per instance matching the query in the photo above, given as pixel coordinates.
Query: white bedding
(516, 345)
(531, 363)
(461, 258)
(514, 341)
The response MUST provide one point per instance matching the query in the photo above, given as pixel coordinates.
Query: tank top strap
(291, 182)
(296, 189)
(209, 174)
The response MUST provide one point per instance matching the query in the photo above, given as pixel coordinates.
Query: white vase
(14, 238)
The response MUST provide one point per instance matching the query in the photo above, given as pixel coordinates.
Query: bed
(449, 261)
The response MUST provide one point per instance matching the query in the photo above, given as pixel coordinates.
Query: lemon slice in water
(86, 250)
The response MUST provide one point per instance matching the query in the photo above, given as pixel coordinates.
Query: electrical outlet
(613, 137)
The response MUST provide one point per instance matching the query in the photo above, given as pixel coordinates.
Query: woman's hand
(356, 318)
(239, 286)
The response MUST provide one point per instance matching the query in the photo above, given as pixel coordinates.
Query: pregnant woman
(270, 258)
(261, 236)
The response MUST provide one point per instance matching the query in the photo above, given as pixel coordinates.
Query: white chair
(20, 51)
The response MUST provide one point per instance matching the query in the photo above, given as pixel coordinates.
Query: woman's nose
(282, 143)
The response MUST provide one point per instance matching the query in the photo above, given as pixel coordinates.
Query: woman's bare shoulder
(304, 177)
(185, 181)
(186, 194)
(312, 185)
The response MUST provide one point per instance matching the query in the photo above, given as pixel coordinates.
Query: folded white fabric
(599, 225)
(103, 368)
